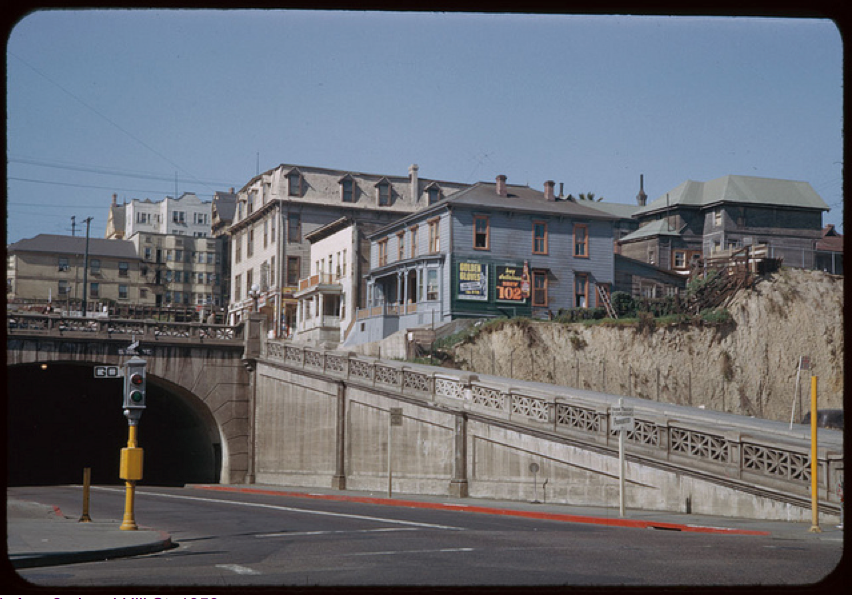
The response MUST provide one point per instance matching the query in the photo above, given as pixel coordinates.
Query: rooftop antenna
(176, 185)
(257, 163)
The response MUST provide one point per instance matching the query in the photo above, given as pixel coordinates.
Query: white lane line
(330, 532)
(451, 550)
(238, 569)
(288, 509)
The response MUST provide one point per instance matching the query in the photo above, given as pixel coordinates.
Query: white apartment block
(186, 215)
(278, 209)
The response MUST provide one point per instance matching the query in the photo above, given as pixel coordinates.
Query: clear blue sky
(103, 102)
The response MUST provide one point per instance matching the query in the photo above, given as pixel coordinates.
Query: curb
(36, 560)
(601, 521)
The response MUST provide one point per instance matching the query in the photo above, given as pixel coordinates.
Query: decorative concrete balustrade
(758, 454)
(107, 328)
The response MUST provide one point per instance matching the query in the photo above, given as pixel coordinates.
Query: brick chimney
(500, 185)
(115, 199)
(549, 191)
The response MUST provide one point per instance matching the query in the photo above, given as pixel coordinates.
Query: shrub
(624, 304)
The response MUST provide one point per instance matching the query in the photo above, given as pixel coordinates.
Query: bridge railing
(150, 330)
(724, 446)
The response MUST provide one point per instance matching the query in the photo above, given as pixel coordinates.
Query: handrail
(19, 324)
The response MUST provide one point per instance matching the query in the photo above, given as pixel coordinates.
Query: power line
(64, 184)
(107, 119)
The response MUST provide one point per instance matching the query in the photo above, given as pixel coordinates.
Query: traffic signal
(134, 384)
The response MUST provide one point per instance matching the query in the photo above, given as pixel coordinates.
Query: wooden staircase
(604, 294)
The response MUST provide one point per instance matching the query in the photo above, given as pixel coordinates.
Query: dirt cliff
(746, 366)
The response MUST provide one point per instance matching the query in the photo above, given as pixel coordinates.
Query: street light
(255, 293)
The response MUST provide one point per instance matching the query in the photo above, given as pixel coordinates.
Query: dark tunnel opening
(60, 420)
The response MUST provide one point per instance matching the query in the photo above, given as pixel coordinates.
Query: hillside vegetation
(743, 359)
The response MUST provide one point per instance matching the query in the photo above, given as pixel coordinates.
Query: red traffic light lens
(136, 379)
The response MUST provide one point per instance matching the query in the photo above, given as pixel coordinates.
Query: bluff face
(747, 366)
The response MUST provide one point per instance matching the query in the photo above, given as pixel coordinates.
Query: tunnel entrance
(60, 420)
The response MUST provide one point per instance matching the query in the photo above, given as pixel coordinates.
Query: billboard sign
(473, 282)
(509, 284)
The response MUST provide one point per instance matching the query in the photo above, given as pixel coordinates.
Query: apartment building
(50, 269)
(278, 209)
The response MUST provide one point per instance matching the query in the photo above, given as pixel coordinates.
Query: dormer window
(383, 193)
(433, 193)
(294, 183)
(347, 184)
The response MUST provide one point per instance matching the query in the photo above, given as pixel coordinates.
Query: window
(272, 272)
(63, 263)
(250, 242)
(481, 232)
(382, 247)
(250, 275)
(293, 270)
(432, 285)
(148, 253)
(718, 217)
(294, 183)
(401, 245)
(344, 263)
(266, 232)
(94, 289)
(540, 288)
(581, 287)
(64, 288)
(95, 266)
(540, 237)
(434, 241)
(272, 229)
(178, 216)
(294, 228)
(581, 241)
(237, 287)
(122, 269)
(383, 193)
(250, 202)
(122, 292)
(433, 194)
(679, 260)
(143, 293)
(238, 252)
(413, 238)
(347, 190)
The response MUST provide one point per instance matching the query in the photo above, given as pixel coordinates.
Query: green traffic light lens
(136, 396)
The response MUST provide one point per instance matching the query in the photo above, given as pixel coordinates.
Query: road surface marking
(238, 569)
(287, 509)
(452, 550)
(330, 532)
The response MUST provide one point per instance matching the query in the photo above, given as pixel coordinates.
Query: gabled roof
(67, 244)
(521, 198)
(613, 208)
(739, 189)
(653, 229)
(831, 240)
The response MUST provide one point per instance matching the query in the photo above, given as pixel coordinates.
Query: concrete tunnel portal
(60, 420)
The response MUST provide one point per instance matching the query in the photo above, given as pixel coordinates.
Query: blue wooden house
(490, 250)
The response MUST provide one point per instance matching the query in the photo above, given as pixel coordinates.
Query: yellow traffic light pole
(131, 471)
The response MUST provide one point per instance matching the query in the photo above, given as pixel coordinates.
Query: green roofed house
(699, 219)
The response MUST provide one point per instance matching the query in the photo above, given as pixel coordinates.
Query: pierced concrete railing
(754, 453)
(106, 328)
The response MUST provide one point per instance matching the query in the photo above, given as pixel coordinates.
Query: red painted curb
(626, 523)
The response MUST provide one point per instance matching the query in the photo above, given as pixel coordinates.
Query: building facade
(276, 210)
(50, 270)
(489, 250)
(699, 219)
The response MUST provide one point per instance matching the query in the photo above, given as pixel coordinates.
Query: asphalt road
(228, 541)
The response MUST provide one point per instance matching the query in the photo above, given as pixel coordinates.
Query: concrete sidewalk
(38, 535)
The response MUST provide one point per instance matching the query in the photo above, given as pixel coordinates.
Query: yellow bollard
(815, 527)
(87, 481)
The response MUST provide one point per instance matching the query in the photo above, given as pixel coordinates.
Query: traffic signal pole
(131, 456)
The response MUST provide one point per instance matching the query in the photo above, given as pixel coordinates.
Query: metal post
(390, 439)
(86, 267)
(815, 526)
(87, 480)
(129, 523)
(621, 468)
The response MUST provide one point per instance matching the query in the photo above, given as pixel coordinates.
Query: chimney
(500, 185)
(413, 176)
(115, 199)
(231, 191)
(561, 190)
(549, 191)
(641, 197)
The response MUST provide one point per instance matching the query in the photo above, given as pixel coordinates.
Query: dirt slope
(746, 367)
